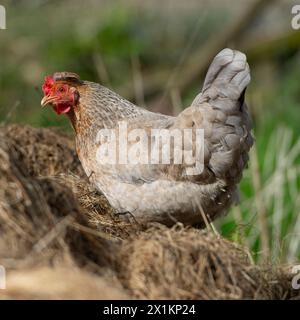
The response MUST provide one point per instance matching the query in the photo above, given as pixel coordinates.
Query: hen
(167, 191)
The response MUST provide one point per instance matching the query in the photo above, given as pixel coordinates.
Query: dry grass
(59, 235)
(185, 263)
(61, 283)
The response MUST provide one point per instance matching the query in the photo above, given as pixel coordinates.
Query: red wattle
(62, 108)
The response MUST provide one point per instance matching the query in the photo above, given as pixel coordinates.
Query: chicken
(164, 191)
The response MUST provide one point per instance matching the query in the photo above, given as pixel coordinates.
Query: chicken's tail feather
(225, 116)
(226, 81)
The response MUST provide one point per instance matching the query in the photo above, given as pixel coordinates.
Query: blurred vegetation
(110, 42)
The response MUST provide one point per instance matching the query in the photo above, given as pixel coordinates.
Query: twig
(259, 202)
(176, 101)
(101, 69)
(137, 79)
(10, 113)
(59, 228)
(209, 225)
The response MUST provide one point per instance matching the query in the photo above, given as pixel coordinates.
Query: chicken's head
(60, 93)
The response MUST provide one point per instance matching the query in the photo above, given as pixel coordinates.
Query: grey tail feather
(227, 77)
(228, 67)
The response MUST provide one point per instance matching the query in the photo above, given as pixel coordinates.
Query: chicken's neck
(100, 108)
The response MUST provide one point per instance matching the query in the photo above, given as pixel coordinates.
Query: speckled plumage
(165, 193)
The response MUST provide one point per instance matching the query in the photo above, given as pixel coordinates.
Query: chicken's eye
(61, 89)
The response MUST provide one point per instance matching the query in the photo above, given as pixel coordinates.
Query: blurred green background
(155, 53)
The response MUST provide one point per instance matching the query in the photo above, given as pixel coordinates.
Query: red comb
(48, 84)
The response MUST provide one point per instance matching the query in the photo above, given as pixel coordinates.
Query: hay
(61, 283)
(42, 152)
(97, 209)
(39, 216)
(59, 235)
(185, 263)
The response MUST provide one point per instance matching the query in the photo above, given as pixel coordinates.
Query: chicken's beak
(47, 100)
